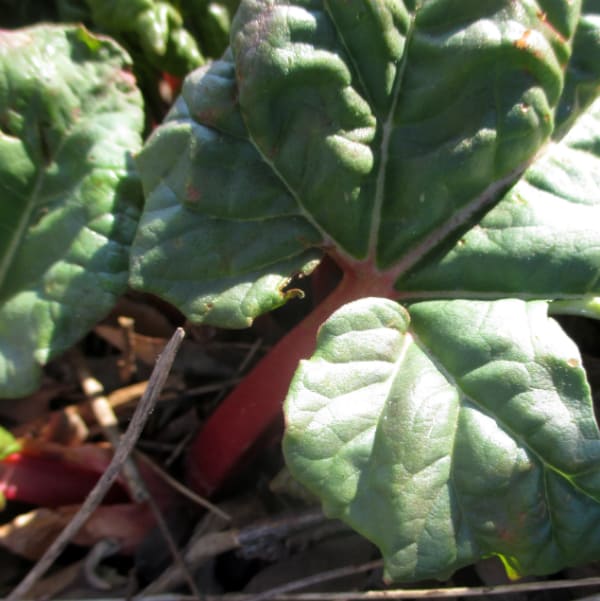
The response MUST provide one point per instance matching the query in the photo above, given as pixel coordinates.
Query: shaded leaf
(197, 177)
(70, 117)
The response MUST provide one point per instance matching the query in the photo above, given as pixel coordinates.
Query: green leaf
(70, 117)
(583, 74)
(462, 431)
(376, 163)
(587, 306)
(372, 135)
(156, 26)
(540, 241)
(8, 444)
(245, 247)
(211, 21)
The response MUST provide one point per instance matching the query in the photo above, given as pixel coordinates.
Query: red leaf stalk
(254, 407)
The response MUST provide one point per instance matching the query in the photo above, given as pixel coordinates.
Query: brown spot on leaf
(192, 194)
(573, 362)
(521, 43)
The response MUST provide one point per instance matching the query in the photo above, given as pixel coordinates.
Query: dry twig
(107, 419)
(394, 594)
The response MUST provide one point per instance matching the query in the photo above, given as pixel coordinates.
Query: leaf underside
(70, 117)
(452, 149)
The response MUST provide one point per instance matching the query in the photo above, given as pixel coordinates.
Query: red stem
(254, 406)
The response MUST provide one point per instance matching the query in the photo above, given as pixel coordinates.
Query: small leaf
(70, 117)
(8, 444)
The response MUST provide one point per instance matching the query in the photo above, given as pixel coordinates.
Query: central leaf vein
(386, 135)
(545, 465)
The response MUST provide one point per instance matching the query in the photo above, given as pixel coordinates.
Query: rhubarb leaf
(458, 430)
(208, 189)
(70, 117)
(540, 241)
(375, 164)
(403, 159)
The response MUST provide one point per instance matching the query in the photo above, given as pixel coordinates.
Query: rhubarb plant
(71, 117)
(446, 156)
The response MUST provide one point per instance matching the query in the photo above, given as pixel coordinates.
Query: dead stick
(392, 594)
(135, 481)
(138, 420)
(319, 578)
(106, 418)
(183, 490)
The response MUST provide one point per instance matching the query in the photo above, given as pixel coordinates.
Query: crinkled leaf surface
(456, 430)
(70, 117)
(198, 169)
(451, 150)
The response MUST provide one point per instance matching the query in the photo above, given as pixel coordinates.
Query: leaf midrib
(515, 436)
(18, 236)
(387, 128)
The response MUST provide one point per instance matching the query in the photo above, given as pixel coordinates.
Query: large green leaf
(70, 117)
(462, 430)
(446, 153)
(369, 155)
(541, 240)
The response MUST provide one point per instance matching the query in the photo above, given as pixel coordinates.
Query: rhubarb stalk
(253, 408)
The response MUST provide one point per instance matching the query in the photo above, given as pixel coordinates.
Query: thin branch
(175, 553)
(102, 549)
(107, 419)
(325, 576)
(127, 363)
(431, 593)
(138, 420)
(393, 594)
